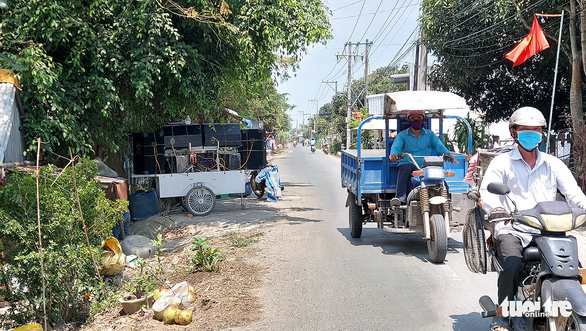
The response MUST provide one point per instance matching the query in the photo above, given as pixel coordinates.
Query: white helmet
(527, 116)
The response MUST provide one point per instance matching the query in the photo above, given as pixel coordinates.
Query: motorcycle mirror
(501, 189)
(498, 188)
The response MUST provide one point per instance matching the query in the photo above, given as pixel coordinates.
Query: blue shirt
(406, 142)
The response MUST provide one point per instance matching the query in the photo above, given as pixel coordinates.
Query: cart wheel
(257, 188)
(474, 243)
(438, 245)
(200, 201)
(355, 217)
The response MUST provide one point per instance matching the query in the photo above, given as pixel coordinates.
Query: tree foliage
(93, 70)
(470, 38)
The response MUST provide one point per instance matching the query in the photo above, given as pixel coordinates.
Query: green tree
(470, 38)
(92, 71)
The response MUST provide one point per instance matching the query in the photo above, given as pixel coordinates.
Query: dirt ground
(224, 299)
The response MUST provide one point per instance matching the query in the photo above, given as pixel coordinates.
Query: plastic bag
(113, 259)
(178, 294)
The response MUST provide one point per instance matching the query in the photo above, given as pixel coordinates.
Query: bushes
(68, 267)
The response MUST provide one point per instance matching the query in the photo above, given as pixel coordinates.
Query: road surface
(319, 278)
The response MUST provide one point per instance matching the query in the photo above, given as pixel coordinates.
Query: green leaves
(92, 72)
(68, 266)
(470, 39)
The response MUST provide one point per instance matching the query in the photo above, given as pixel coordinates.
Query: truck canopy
(434, 103)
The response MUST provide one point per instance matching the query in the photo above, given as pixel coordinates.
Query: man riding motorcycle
(417, 141)
(533, 177)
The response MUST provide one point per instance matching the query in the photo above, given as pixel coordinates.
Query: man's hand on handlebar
(393, 157)
(499, 214)
(450, 158)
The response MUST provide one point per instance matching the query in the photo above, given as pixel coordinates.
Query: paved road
(321, 279)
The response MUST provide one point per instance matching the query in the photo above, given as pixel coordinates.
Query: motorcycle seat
(531, 253)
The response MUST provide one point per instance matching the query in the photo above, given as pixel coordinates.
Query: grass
(240, 239)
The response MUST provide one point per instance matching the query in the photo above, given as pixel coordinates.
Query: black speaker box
(228, 135)
(181, 135)
(253, 152)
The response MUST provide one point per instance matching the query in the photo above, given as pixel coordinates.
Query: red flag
(532, 44)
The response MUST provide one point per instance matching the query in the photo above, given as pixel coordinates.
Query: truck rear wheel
(355, 217)
(437, 247)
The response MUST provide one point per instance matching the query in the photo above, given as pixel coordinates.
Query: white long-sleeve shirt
(528, 187)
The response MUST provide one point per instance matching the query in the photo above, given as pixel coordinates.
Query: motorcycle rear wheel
(257, 188)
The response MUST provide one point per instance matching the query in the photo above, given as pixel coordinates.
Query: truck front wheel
(355, 217)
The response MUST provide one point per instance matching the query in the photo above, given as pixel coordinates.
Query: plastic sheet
(113, 259)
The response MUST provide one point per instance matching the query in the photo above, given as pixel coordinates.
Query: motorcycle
(550, 295)
(259, 188)
(313, 148)
(325, 149)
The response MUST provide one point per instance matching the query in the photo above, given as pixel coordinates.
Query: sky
(391, 26)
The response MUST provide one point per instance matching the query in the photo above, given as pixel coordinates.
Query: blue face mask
(529, 140)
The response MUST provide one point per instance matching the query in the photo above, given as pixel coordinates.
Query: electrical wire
(353, 3)
(372, 20)
(358, 19)
(388, 21)
(385, 37)
(490, 28)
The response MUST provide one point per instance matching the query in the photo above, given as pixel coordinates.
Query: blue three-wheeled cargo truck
(371, 178)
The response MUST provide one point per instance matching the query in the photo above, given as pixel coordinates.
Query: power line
(358, 19)
(353, 3)
(385, 24)
(492, 27)
(380, 12)
(372, 20)
(385, 37)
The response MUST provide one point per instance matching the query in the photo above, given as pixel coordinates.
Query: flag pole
(555, 74)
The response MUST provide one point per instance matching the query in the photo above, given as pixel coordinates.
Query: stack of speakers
(154, 153)
(253, 153)
(149, 153)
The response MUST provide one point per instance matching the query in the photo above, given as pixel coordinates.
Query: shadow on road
(409, 245)
(249, 212)
(470, 321)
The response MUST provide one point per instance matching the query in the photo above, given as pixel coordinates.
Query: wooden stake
(87, 239)
(40, 237)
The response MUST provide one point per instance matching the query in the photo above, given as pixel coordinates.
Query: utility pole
(367, 46)
(349, 57)
(303, 121)
(315, 119)
(416, 68)
(422, 71)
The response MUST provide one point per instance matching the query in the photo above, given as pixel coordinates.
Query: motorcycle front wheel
(437, 247)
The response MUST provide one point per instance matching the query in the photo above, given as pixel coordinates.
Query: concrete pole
(366, 74)
(349, 103)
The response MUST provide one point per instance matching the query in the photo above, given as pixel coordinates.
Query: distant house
(11, 143)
